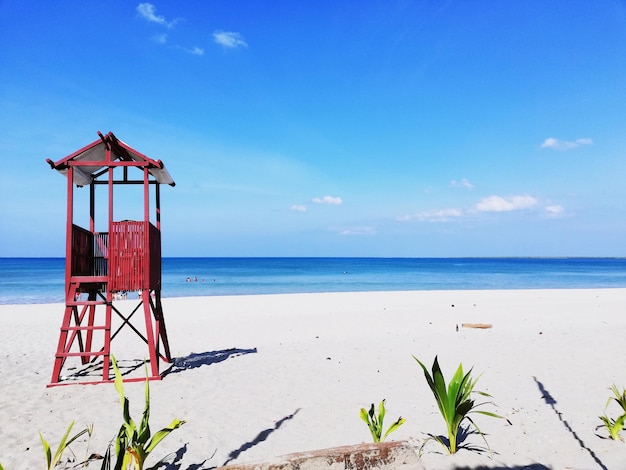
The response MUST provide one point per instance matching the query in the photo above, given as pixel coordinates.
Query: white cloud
(488, 204)
(299, 208)
(229, 39)
(148, 12)
(160, 38)
(442, 215)
(554, 211)
(358, 231)
(556, 144)
(501, 204)
(464, 183)
(330, 200)
(195, 50)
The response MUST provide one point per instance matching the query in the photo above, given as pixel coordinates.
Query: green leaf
(160, 435)
(620, 397)
(394, 426)
(46, 449)
(144, 427)
(381, 413)
(106, 460)
(119, 383)
(364, 416)
(62, 445)
(121, 443)
(488, 413)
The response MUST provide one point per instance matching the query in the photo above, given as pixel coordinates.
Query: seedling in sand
(614, 426)
(53, 461)
(375, 422)
(619, 398)
(132, 444)
(454, 402)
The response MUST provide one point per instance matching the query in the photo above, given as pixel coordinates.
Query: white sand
(309, 362)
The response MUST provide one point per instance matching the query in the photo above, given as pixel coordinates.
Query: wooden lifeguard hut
(104, 268)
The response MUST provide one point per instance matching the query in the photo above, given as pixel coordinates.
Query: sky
(326, 128)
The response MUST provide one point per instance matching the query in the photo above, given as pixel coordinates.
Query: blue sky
(343, 128)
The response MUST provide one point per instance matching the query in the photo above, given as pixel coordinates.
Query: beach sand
(258, 377)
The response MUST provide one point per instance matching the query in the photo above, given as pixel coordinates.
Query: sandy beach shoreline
(263, 376)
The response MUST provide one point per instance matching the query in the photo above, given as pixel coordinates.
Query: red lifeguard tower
(103, 268)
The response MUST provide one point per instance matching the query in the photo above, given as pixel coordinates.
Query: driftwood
(393, 455)
(481, 326)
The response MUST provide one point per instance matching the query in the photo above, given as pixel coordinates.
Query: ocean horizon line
(355, 257)
(40, 280)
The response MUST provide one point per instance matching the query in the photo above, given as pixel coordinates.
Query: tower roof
(89, 161)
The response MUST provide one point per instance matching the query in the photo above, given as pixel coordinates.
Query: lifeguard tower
(103, 269)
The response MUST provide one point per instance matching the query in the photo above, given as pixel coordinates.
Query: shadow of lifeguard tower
(103, 269)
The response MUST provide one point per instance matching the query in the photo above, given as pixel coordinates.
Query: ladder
(79, 324)
(83, 318)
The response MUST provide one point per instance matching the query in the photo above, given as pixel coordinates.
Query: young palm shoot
(133, 444)
(375, 422)
(454, 401)
(619, 398)
(53, 461)
(614, 426)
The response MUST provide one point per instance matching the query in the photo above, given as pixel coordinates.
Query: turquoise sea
(40, 280)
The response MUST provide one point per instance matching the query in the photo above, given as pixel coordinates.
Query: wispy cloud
(441, 215)
(229, 39)
(330, 200)
(299, 208)
(148, 12)
(463, 183)
(556, 144)
(554, 211)
(358, 231)
(160, 38)
(194, 50)
(488, 204)
(505, 204)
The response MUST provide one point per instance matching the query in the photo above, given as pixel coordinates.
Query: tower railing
(128, 259)
(134, 256)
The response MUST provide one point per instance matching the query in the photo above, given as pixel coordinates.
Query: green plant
(619, 398)
(88, 457)
(133, 444)
(614, 426)
(454, 402)
(64, 444)
(375, 422)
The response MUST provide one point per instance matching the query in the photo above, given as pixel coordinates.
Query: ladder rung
(82, 354)
(77, 303)
(84, 328)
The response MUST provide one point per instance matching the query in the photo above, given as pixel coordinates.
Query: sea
(41, 280)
